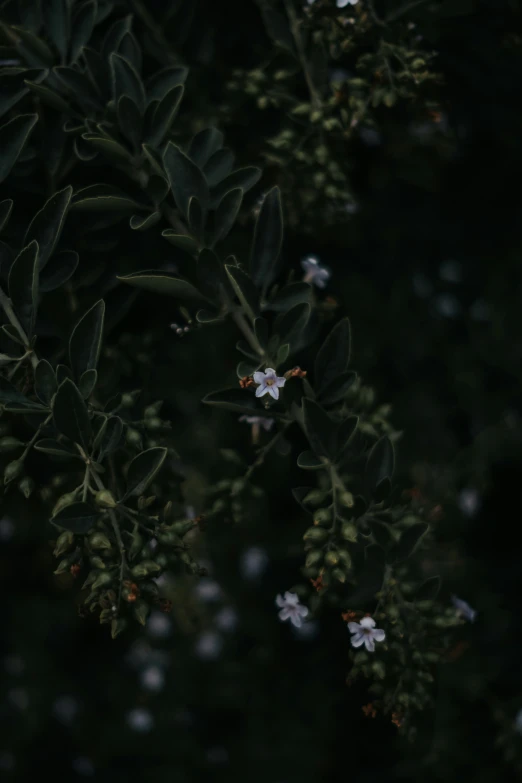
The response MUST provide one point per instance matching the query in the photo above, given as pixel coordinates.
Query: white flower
(469, 501)
(344, 3)
(209, 646)
(226, 619)
(518, 722)
(464, 609)
(152, 678)
(140, 719)
(315, 272)
(259, 421)
(268, 382)
(366, 633)
(253, 562)
(291, 609)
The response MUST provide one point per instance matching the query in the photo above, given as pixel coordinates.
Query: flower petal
(280, 381)
(280, 601)
(369, 643)
(285, 613)
(296, 620)
(261, 390)
(303, 610)
(379, 635)
(258, 377)
(368, 622)
(291, 598)
(357, 640)
(273, 392)
(269, 372)
(354, 627)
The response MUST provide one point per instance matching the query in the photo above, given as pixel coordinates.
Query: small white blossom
(159, 625)
(253, 562)
(208, 590)
(344, 3)
(315, 273)
(140, 719)
(268, 383)
(366, 633)
(65, 708)
(209, 646)
(226, 619)
(152, 678)
(469, 501)
(259, 421)
(464, 609)
(291, 609)
(518, 721)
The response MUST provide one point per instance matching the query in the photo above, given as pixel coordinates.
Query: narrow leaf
(13, 136)
(47, 224)
(23, 286)
(70, 414)
(268, 238)
(142, 470)
(85, 340)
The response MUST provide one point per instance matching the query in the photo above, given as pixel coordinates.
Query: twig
(294, 27)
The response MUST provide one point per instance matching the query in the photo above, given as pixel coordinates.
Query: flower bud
(339, 574)
(316, 535)
(141, 611)
(13, 470)
(101, 581)
(117, 626)
(99, 541)
(331, 558)
(63, 501)
(345, 558)
(64, 542)
(26, 486)
(322, 517)
(105, 499)
(349, 532)
(183, 527)
(313, 558)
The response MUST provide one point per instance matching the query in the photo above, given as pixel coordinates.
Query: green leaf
(103, 198)
(161, 283)
(226, 214)
(291, 295)
(246, 368)
(409, 540)
(33, 49)
(289, 326)
(380, 464)
(218, 167)
(5, 212)
(163, 81)
(282, 353)
(110, 148)
(63, 372)
(164, 115)
(142, 223)
(49, 97)
(87, 383)
(196, 217)
(345, 432)
(59, 269)
(110, 437)
(321, 430)
(129, 120)
(261, 332)
(57, 21)
(185, 178)
(245, 289)
(428, 590)
(131, 50)
(382, 534)
(23, 286)
(333, 356)
(268, 238)
(79, 85)
(115, 35)
(45, 384)
(242, 178)
(13, 136)
(125, 81)
(204, 144)
(337, 389)
(54, 447)
(70, 413)
(13, 87)
(307, 460)
(82, 27)
(47, 224)
(212, 277)
(236, 400)
(142, 470)
(183, 241)
(8, 394)
(278, 28)
(78, 517)
(85, 340)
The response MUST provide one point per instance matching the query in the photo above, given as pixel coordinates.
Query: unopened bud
(105, 499)
(99, 541)
(13, 470)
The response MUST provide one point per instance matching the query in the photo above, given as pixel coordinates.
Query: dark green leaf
(78, 85)
(23, 286)
(113, 150)
(337, 389)
(47, 224)
(282, 353)
(246, 368)
(382, 490)
(5, 212)
(380, 463)
(226, 214)
(125, 81)
(218, 167)
(50, 446)
(163, 81)
(300, 493)
(13, 136)
(289, 326)
(307, 460)
(428, 590)
(129, 120)
(185, 178)
(59, 269)
(242, 178)
(13, 87)
(115, 35)
(45, 384)
(268, 238)
(196, 217)
(245, 289)
(143, 222)
(56, 17)
(130, 49)
(82, 27)
(278, 28)
(409, 540)
(261, 332)
(85, 340)
(212, 277)
(161, 283)
(164, 115)
(110, 438)
(87, 383)
(345, 432)
(321, 430)
(382, 534)
(78, 517)
(333, 356)
(183, 241)
(291, 295)
(142, 470)
(63, 372)
(8, 394)
(70, 413)
(205, 144)
(48, 96)
(32, 48)
(237, 400)
(103, 198)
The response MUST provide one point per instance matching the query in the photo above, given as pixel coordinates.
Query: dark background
(428, 269)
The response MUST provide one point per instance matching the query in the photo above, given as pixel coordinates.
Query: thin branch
(296, 33)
